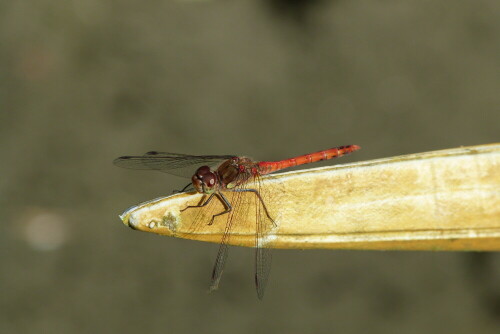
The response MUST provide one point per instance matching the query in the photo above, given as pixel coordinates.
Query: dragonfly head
(204, 180)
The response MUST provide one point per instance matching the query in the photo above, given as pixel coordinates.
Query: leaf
(441, 200)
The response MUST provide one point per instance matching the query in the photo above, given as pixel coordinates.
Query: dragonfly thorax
(205, 181)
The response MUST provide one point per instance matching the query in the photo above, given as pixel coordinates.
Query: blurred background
(83, 82)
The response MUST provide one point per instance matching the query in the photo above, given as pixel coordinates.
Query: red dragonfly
(232, 174)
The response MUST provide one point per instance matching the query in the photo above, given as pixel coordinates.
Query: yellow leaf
(441, 200)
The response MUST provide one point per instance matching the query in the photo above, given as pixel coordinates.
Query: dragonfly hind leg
(256, 192)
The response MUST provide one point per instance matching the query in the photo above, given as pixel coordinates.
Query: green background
(82, 82)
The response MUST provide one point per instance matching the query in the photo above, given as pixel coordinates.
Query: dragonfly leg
(256, 192)
(228, 206)
(183, 189)
(201, 205)
(221, 197)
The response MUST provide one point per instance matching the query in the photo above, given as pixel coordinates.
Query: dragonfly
(218, 175)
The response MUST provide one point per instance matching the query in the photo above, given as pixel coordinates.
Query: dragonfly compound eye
(204, 180)
(197, 183)
(209, 181)
(203, 170)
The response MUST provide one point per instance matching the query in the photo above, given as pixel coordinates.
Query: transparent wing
(263, 259)
(263, 256)
(172, 163)
(220, 261)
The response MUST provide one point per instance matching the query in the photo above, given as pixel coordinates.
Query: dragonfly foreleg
(256, 192)
(221, 197)
(183, 189)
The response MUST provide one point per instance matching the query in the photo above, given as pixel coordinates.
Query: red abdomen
(266, 167)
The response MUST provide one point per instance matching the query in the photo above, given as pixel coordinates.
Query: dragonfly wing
(263, 259)
(263, 256)
(219, 266)
(220, 261)
(171, 163)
